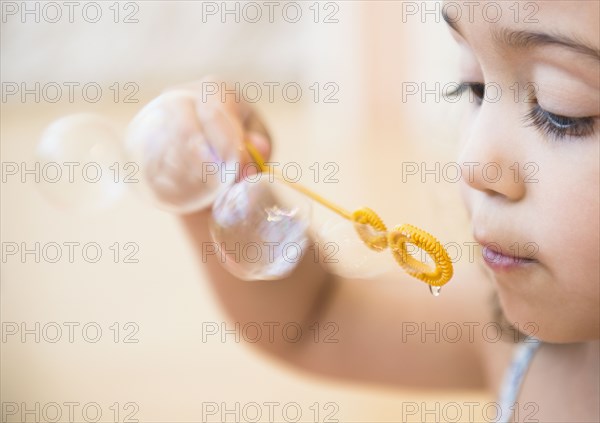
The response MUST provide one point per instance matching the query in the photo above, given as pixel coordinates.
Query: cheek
(574, 245)
(571, 203)
(567, 231)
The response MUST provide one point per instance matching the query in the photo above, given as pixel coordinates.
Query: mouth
(501, 259)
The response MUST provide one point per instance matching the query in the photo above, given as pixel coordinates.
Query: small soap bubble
(353, 258)
(80, 163)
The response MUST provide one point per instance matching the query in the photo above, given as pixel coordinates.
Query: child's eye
(475, 89)
(558, 126)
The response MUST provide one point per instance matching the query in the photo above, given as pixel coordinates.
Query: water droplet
(435, 290)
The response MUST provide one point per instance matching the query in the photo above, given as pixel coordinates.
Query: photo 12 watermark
(269, 411)
(53, 12)
(467, 411)
(69, 92)
(290, 172)
(252, 12)
(71, 172)
(269, 91)
(472, 251)
(269, 252)
(469, 332)
(69, 411)
(473, 92)
(70, 252)
(469, 11)
(270, 332)
(69, 332)
(453, 172)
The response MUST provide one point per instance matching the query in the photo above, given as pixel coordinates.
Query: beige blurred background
(368, 53)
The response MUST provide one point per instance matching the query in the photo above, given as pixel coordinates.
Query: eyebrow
(526, 39)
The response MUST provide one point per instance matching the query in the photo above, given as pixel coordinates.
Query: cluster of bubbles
(260, 227)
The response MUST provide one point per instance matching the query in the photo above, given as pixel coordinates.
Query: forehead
(576, 18)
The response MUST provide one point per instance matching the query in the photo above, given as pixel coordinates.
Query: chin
(542, 322)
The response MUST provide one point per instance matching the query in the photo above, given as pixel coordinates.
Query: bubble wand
(375, 235)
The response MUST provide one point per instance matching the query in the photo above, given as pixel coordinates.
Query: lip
(497, 259)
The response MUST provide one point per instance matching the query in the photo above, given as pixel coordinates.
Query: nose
(491, 159)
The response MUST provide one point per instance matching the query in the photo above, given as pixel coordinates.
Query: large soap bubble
(184, 162)
(260, 228)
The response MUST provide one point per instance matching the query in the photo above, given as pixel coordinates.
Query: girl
(550, 292)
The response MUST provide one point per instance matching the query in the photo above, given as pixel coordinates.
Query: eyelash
(553, 125)
(558, 126)
(475, 88)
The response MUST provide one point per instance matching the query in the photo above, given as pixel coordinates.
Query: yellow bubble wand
(373, 232)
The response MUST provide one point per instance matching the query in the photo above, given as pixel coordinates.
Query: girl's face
(530, 157)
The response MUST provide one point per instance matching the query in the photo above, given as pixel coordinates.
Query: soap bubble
(260, 228)
(353, 258)
(185, 162)
(80, 163)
